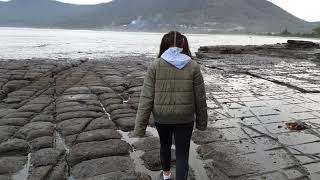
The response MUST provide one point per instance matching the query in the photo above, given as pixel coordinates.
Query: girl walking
(174, 91)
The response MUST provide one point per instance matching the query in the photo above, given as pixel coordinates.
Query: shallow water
(24, 43)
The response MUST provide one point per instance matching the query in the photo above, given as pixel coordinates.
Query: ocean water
(26, 43)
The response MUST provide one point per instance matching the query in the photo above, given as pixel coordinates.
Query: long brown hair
(174, 38)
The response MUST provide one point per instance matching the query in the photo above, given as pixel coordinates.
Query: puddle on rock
(135, 155)
(23, 174)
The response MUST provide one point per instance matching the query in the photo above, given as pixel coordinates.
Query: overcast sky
(304, 9)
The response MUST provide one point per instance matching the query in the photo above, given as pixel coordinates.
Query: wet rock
(2, 94)
(12, 164)
(78, 114)
(118, 116)
(5, 177)
(81, 107)
(47, 156)
(151, 160)
(119, 89)
(113, 107)
(6, 132)
(35, 129)
(120, 176)
(147, 144)
(49, 109)
(70, 140)
(135, 89)
(126, 124)
(91, 150)
(101, 123)
(112, 101)
(41, 100)
(12, 100)
(13, 121)
(101, 166)
(20, 115)
(210, 135)
(58, 172)
(106, 96)
(37, 108)
(43, 117)
(14, 147)
(77, 90)
(122, 111)
(41, 142)
(77, 97)
(72, 126)
(98, 135)
(4, 112)
(14, 85)
(40, 173)
(101, 89)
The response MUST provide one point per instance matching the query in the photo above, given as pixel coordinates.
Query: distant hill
(189, 15)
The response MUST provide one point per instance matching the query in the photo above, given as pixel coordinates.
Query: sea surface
(26, 43)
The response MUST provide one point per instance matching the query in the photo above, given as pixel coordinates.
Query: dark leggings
(182, 136)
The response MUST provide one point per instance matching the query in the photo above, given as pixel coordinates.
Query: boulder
(301, 44)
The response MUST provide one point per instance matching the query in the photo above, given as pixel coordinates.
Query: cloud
(306, 9)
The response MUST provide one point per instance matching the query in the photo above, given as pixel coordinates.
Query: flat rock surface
(74, 115)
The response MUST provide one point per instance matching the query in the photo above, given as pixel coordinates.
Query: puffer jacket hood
(174, 56)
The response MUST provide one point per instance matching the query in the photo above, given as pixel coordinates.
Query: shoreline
(162, 32)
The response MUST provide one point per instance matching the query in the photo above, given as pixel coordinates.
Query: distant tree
(316, 31)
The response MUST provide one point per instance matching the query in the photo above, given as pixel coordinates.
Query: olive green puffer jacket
(174, 96)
